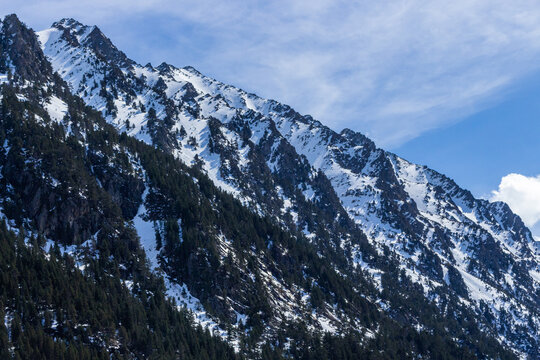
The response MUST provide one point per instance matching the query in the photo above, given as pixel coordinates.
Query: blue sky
(482, 148)
(453, 85)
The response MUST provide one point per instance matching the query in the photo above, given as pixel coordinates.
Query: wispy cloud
(522, 194)
(392, 69)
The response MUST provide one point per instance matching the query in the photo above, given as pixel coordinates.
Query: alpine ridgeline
(191, 202)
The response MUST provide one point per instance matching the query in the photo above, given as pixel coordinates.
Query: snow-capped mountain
(340, 235)
(283, 164)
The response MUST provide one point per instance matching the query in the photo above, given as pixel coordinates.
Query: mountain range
(231, 225)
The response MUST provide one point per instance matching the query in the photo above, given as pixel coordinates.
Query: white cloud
(392, 69)
(522, 194)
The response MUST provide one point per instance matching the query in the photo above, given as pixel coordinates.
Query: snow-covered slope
(338, 189)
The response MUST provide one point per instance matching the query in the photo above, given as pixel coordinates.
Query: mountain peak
(11, 18)
(165, 68)
(73, 28)
(22, 51)
(92, 37)
(68, 23)
(192, 70)
(12, 24)
(356, 137)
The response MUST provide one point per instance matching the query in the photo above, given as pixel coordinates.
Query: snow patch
(56, 108)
